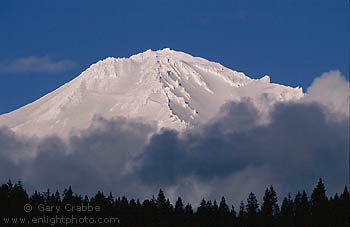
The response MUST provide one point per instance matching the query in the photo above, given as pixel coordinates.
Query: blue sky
(44, 44)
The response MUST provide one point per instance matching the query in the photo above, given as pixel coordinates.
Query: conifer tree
(223, 207)
(252, 210)
(161, 201)
(224, 213)
(68, 197)
(302, 209)
(233, 215)
(202, 209)
(18, 198)
(164, 208)
(188, 215)
(4, 200)
(242, 215)
(179, 207)
(252, 205)
(269, 208)
(35, 200)
(57, 197)
(203, 212)
(334, 210)
(149, 212)
(188, 210)
(344, 207)
(319, 205)
(179, 212)
(287, 212)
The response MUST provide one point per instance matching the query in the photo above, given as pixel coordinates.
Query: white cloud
(36, 64)
(332, 90)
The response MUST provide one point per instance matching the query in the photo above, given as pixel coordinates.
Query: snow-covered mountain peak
(265, 79)
(166, 87)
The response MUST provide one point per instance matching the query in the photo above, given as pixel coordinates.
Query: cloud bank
(36, 64)
(232, 155)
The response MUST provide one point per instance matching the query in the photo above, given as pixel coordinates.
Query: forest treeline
(47, 208)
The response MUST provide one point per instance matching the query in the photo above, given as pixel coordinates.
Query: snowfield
(167, 88)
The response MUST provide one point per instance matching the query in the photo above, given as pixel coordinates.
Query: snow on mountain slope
(166, 87)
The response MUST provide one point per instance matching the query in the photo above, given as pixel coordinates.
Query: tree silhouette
(164, 208)
(18, 198)
(233, 216)
(189, 220)
(159, 211)
(287, 212)
(242, 215)
(320, 205)
(225, 216)
(252, 210)
(302, 209)
(269, 208)
(179, 212)
(344, 207)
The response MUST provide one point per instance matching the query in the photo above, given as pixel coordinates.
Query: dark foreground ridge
(17, 208)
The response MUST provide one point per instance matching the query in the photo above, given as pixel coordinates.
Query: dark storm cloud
(298, 145)
(205, 153)
(101, 158)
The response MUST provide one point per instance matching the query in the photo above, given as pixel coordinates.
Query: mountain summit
(170, 88)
